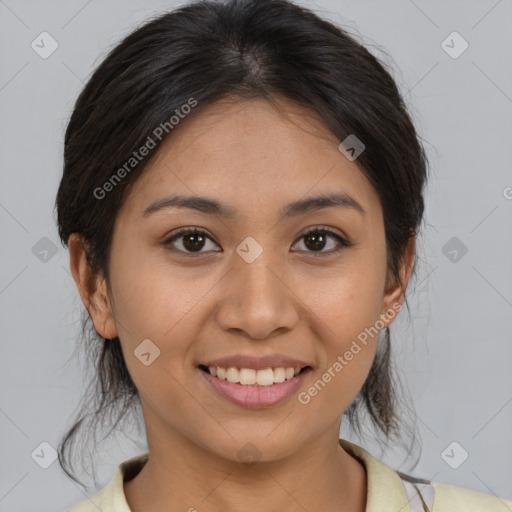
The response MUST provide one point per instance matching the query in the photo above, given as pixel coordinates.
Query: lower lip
(255, 396)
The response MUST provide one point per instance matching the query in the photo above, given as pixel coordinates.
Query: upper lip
(257, 363)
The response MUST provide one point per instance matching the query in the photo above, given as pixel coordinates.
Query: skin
(251, 156)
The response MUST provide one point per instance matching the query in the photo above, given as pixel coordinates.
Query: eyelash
(342, 242)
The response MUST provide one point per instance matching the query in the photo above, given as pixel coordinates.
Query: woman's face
(252, 285)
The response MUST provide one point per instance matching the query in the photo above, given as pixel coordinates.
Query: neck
(184, 476)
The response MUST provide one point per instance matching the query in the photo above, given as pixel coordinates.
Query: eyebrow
(214, 207)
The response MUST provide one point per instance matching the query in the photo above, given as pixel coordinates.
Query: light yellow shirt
(387, 492)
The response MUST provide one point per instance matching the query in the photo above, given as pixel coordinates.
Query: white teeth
(233, 375)
(247, 376)
(250, 376)
(279, 375)
(265, 377)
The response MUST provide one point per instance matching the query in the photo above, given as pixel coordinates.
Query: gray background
(456, 354)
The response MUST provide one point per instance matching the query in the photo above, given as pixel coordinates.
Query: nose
(257, 301)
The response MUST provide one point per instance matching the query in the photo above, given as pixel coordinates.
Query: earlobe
(92, 288)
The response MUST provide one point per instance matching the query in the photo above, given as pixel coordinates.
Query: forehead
(248, 152)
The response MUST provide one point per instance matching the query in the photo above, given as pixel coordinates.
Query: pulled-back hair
(249, 49)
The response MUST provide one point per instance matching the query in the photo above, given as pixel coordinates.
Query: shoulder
(92, 503)
(452, 498)
(408, 494)
(111, 498)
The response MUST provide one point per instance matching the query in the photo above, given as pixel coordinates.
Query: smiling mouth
(252, 377)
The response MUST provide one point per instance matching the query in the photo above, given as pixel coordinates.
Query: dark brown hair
(248, 49)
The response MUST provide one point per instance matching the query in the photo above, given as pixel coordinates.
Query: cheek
(154, 304)
(349, 342)
(348, 307)
(157, 301)
(349, 299)
(152, 298)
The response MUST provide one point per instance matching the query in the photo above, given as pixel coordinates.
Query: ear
(394, 295)
(92, 288)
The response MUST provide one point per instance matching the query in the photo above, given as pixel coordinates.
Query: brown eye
(316, 240)
(192, 240)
